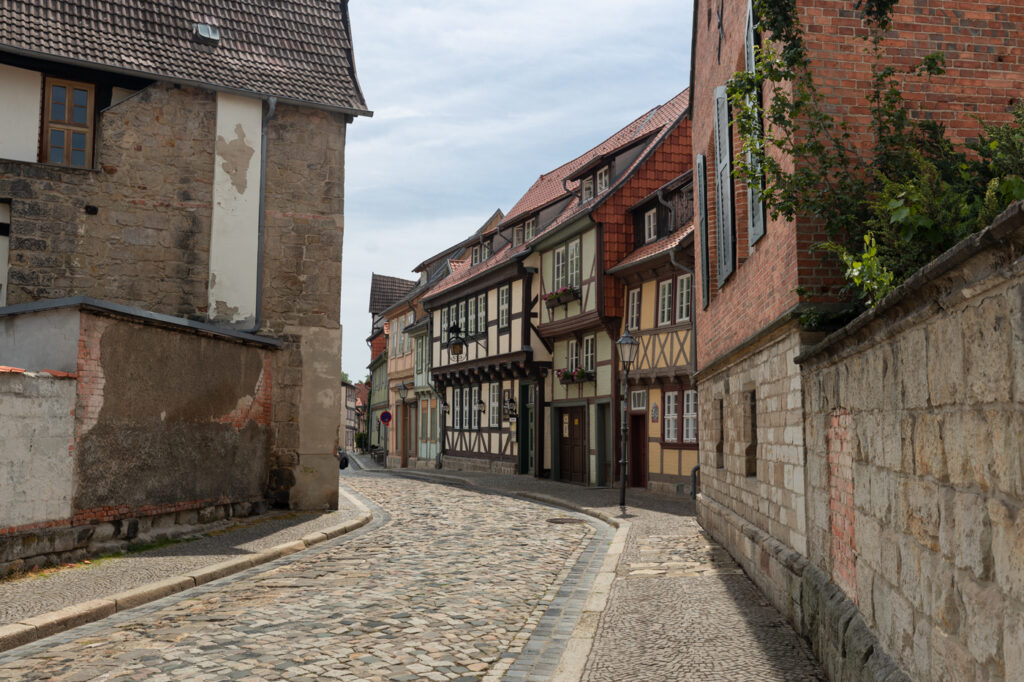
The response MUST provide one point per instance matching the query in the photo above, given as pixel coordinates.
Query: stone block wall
(917, 408)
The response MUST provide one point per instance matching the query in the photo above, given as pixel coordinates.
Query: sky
(472, 101)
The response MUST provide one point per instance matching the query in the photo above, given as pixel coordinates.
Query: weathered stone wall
(36, 431)
(926, 395)
(495, 466)
(147, 244)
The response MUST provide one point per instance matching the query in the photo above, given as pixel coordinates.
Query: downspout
(271, 109)
(578, 195)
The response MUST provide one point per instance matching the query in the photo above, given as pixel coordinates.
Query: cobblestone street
(444, 584)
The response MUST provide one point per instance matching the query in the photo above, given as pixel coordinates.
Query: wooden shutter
(702, 207)
(755, 208)
(723, 186)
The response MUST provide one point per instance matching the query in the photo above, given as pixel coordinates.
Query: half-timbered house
(657, 287)
(581, 303)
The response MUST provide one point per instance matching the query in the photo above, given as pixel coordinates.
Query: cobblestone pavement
(33, 595)
(680, 607)
(445, 584)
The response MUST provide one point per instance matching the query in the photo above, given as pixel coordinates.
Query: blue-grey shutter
(755, 208)
(723, 186)
(702, 207)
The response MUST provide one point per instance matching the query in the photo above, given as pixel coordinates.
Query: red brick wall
(984, 52)
(671, 159)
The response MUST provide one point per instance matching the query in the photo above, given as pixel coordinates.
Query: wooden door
(572, 445)
(637, 451)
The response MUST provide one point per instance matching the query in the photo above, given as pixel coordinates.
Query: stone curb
(46, 624)
(577, 650)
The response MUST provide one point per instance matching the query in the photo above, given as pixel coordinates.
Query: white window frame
(559, 267)
(602, 179)
(503, 306)
(633, 311)
(588, 353)
(481, 313)
(471, 316)
(672, 417)
(444, 325)
(684, 297)
(456, 408)
(409, 319)
(587, 190)
(465, 408)
(638, 400)
(462, 317)
(517, 235)
(664, 302)
(572, 355)
(476, 255)
(419, 355)
(690, 416)
(494, 405)
(474, 411)
(530, 229)
(650, 225)
(572, 263)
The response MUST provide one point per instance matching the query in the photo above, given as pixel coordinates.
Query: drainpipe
(271, 109)
(578, 195)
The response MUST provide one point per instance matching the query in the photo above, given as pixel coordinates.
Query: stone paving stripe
(46, 624)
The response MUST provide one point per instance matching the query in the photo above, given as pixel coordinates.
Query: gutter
(272, 108)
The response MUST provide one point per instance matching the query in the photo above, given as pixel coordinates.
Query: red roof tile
(648, 251)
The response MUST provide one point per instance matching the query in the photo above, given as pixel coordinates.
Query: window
(672, 417)
(702, 208)
(433, 420)
(755, 207)
(573, 263)
(485, 251)
(690, 417)
(651, 225)
(453, 318)
(684, 289)
(476, 255)
(559, 267)
(633, 314)
(664, 302)
(602, 179)
(588, 189)
(456, 408)
(494, 405)
(503, 307)
(517, 235)
(67, 123)
(530, 227)
(475, 409)
(462, 317)
(471, 319)
(466, 407)
(751, 452)
(638, 400)
(572, 355)
(725, 231)
(424, 416)
(409, 319)
(419, 355)
(481, 313)
(444, 325)
(588, 353)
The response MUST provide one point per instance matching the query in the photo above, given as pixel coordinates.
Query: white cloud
(473, 100)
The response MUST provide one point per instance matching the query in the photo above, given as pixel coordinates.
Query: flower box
(578, 377)
(562, 297)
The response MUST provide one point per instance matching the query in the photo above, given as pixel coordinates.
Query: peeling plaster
(236, 154)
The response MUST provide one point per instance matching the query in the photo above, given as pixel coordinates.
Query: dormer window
(517, 235)
(476, 255)
(650, 225)
(485, 251)
(530, 227)
(588, 189)
(602, 179)
(208, 34)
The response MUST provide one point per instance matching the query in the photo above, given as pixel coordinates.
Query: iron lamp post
(627, 347)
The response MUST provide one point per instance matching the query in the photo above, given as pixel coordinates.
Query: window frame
(638, 405)
(573, 272)
(517, 235)
(444, 325)
(650, 225)
(504, 306)
(474, 412)
(481, 313)
(558, 267)
(587, 189)
(462, 317)
(684, 313)
(471, 316)
(665, 302)
(633, 312)
(529, 229)
(603, 176)
(689, 416)
(589, 353)
(476, 255)
(456, 408)
(68, 127)
(494, 405)
(466, 409)
(670, 420)
(572, 355)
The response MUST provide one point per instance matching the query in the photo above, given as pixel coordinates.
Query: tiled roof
(654, 249)
(297, 50)
(548, 187)
(385, 291)
(463, 271)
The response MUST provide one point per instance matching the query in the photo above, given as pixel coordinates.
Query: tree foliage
(889, 206)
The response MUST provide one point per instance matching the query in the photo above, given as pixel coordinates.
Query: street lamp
(627, 347)
(510, 407)
(456, 344)
(403, 392)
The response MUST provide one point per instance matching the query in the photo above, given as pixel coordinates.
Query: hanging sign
(385, 417)
(654, 413)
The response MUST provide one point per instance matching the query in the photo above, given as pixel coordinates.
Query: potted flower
(574, 376)
(561, 296)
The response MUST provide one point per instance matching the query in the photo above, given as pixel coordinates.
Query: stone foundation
(494, 466)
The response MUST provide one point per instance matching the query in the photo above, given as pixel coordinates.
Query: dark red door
(637, 451)
(572, 445)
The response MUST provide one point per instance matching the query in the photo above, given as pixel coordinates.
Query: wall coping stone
(1008, 227)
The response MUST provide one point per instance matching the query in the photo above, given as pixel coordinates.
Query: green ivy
(887, 208)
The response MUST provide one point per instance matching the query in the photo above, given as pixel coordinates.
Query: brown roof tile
(385, 291)
(297, 50)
